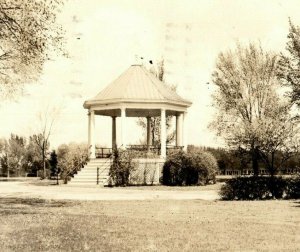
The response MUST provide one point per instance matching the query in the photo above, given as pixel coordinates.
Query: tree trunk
(44, 165)
(272, 170)
(254, 152)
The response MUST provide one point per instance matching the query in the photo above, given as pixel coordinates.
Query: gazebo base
(146, 171)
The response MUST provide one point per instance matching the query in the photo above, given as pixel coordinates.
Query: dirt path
(21, 189)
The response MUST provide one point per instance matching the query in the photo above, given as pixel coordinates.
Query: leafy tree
(13, 155)
(28, 34)
(290, 63)
(34, 162)
(278, 138)
(53, 164)
(4, 156)
(155, 121)
(246, 81)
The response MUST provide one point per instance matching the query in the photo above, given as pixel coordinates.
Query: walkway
(22, 189)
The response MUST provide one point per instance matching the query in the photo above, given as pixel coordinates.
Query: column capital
(91, 111)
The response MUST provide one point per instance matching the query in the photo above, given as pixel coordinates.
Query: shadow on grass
(9, 206)
(297, 203)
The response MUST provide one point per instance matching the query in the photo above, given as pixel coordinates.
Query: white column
(179, 130)
(148, 133)
(184, 132)
(123, 128)
(91, 140)
(163, 151)
(114, 133)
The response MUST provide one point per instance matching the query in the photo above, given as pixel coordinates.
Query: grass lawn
(170, 225)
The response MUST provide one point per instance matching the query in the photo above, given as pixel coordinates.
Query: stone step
(87, 168)
(90, 177)
(95, 168)
(88, 174)
(100, 160)
(91, 182)
(93, 173)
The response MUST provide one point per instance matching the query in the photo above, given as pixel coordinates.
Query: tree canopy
(29, 34)
(290, 63)
(251, 115)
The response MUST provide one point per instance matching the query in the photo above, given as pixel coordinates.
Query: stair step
(87, 176)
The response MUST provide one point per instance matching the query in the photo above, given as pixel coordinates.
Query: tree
(4, 156)
(28, 34)
(13, 155)
(278, 138)
(246, 81)
(42, 137)
(34, 162)
(53, 164)
(290, 63)
(155, 121)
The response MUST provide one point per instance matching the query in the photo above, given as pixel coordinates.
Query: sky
(103, 38)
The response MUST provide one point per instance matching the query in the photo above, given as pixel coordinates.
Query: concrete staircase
(88, 174)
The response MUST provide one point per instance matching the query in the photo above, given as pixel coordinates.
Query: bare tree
(41, 138)
(246, 81)
(155, 121)
(29, 33)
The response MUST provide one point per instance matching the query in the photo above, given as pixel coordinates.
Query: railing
(101, 152)
(104, 168)
(154, 148)
(72, 172)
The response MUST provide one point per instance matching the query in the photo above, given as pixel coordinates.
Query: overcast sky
(103, 38)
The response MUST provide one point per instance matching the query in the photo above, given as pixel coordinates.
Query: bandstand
(135, 93)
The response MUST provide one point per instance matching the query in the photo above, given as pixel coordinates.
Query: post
(184, 136)
(179, 130)
(91, 134)
(148, 133)
(123, 117)
(114, 134)
(163, 139)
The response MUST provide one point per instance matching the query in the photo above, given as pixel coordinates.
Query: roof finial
(139, 60)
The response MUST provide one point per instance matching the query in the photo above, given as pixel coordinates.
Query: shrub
(120, 169)
(194, 168)
(71, 158)
(260, 188)
(293, 187)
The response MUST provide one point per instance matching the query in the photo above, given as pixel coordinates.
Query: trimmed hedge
(261, 188)
(197, 168)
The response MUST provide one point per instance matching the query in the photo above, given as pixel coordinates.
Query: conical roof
(137, 84)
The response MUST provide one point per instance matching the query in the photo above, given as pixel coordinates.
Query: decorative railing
(155, 149)
(101, 152)
(100, 171)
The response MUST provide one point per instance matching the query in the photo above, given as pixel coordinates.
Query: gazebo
(137, 93)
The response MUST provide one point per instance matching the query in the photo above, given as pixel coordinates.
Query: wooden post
(163, 139)
(148, 133)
